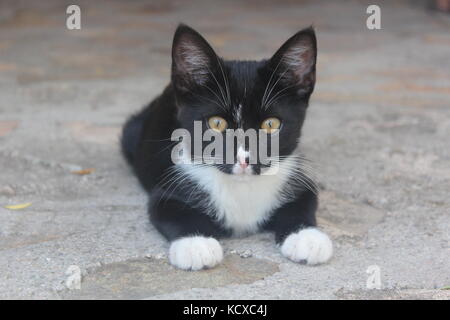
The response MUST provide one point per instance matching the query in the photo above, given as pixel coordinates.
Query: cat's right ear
(295, 62)
(193, 59)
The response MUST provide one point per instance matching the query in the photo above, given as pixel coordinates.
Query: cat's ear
(294, 63)
(193, 59)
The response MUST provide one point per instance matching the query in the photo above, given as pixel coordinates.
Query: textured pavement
(378, 131)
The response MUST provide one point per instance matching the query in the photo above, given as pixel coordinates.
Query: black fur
(146, 142)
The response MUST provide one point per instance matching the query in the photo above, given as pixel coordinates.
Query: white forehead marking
(238, 115)
(242, 154)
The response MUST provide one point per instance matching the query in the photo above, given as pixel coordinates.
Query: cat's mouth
(243, 172)
(242, 169)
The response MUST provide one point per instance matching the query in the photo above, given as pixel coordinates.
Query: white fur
(308, 245)
(241, 201)
(195, 253)
(237, 115)
(241, 156)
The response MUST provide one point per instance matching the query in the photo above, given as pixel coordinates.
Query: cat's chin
(238, 175)
(242, 172)
(242, 177)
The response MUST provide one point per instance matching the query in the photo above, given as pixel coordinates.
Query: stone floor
(378, 130)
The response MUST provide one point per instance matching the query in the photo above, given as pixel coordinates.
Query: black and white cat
(193, 204)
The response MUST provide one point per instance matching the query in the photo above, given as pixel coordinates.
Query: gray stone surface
(149, 277)
(377, 130)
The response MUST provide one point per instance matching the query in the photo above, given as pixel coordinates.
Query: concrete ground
(378, 130)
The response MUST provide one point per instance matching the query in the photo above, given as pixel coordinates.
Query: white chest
(241, 204)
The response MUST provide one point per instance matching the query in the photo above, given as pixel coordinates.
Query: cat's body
(192, 204)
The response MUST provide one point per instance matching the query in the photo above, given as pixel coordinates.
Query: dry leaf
(18, 206)
(84, 171)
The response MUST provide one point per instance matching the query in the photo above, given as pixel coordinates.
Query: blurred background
(377, 128)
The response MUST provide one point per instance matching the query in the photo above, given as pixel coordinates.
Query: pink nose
(243, 165)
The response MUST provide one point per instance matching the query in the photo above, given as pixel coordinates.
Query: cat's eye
(217, 123)
(271, 125)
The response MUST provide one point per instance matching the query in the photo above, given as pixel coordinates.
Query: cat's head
(271, 95)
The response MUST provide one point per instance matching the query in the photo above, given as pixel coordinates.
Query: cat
(194, 204)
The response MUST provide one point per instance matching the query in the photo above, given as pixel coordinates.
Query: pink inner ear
(299, 61)
(296, 59)
(193, 62)
(193, 57)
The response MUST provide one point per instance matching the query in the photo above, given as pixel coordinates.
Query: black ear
(295, 62)
(193, 59)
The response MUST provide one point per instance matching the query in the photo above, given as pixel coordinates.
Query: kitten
(192, 203)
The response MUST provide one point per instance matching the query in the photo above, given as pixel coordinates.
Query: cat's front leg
(310, 246)
(295, 230)
(195, 253)
(192, 233)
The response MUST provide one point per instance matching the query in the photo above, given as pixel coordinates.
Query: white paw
(309, 246)
(195, 253)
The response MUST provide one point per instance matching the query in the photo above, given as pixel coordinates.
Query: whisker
(207, 99)
(268, 83)
(225, 80)
(218, 86)
(277, 97)
(274, 85)
(218, 98)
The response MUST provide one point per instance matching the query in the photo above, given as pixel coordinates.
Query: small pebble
(160, 256)
(7, 191)
(246, 254)
(242, 253)
(73, 281)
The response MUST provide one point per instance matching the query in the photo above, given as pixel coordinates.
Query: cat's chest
(240, 205)
(243, 206)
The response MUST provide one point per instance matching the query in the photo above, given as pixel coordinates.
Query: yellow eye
(270, 125)
(217, 123)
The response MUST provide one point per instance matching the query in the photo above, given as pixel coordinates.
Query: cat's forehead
(240, 81)
(243, 79)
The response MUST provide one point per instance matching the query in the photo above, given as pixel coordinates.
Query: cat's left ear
(193, 59)
(295, 62)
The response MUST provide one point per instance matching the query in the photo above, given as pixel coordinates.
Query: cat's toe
(309, 246)
(195, 253)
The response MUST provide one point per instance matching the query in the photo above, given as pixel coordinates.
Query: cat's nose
(243, 163)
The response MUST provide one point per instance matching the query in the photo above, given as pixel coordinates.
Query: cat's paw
(309, 246)
(195, 253)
